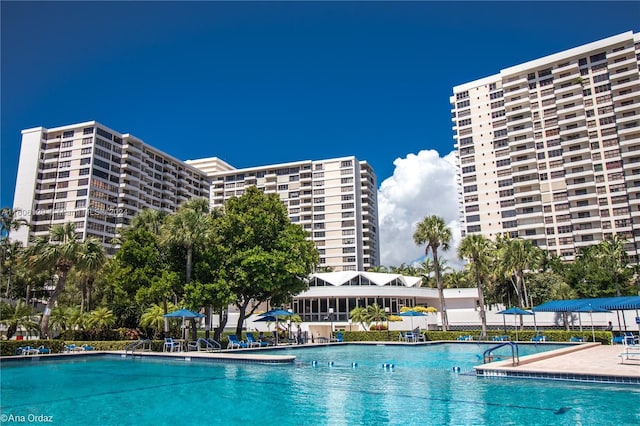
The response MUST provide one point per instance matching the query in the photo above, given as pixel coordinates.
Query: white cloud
(422, 185)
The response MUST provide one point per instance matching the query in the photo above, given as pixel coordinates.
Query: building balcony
(618, 98)
(621, 121)
(571, 78)
(631, 62)
(633, 85)
(579, 118)
(630, 73)
(574, 88)
(511, 82)
(620, 109)
(519, 101)
(630, 129)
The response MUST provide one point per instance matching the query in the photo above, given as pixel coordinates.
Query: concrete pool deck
(591, 362)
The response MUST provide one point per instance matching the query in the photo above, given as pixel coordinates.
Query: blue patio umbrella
(277, 313)
(516, 311)
(591, 309)
(184, 314)
(412, 313)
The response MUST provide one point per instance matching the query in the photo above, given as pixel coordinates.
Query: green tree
(58, 252)
(517, 256)
(476, 249)
(91, 259)
(101, 319)
(14, 316)
(150, 220)
(359, 315)
(375, 313)
(433, 232)
(153, 318)
(188, 228)
(263, 256)
(9, 251)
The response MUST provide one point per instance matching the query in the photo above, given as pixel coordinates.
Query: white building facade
(335, 200)
(98, 179)
(549, 150)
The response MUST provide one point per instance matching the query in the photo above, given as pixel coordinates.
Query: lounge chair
(88, 348)
(339, 337)
(574, 339)
(43, 350)
(539, 338)
(26, 350)
(629, 338)
(235, 343)
(70, 348)
(253, 342)
(170, 345)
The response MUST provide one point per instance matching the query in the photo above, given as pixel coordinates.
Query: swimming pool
(422, 388)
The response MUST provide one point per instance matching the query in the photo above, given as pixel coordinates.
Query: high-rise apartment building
(335, 200)
(96, 178)
(99, 179)
(549, 150)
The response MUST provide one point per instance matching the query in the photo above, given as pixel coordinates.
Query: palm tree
(149, 219)
(153, 318)
(16, 316)
(433, 232)
(517, 256)
(476, 248)
(9, 221)
(614, 256)
(187, 228)
(58, 252)
(375, 313)
(359, 315)
(9, 250)
(91, 259)
(101, 319)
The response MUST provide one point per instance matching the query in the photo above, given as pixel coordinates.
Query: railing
(143, 345)
(487, 356)
(209, 344)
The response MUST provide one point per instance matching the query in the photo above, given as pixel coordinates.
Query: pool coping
(552, 365)
(228, 357)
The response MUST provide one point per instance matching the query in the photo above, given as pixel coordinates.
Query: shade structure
(412, 313)
(184, 314)
(620, 303)
(277, 313)
(591, 309)
(514, 311)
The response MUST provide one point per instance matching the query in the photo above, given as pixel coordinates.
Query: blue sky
(270, 82)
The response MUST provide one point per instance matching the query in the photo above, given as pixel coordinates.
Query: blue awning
(622, 303)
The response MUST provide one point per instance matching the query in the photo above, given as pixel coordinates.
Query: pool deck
(586, 362)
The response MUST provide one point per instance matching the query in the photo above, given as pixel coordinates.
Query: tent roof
(612, 303)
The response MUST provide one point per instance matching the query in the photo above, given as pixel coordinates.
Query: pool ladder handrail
(515, 356)
(208, 343)
(144, 344)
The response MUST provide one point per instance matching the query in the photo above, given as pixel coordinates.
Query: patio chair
(253, 342)
(538, 338)
(43, 350)
(629, 338)
(170, 345)
(339, 337)
(235, 343)
(86, 347)
(70, 348)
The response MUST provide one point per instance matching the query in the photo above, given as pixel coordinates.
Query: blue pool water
(421, 389)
